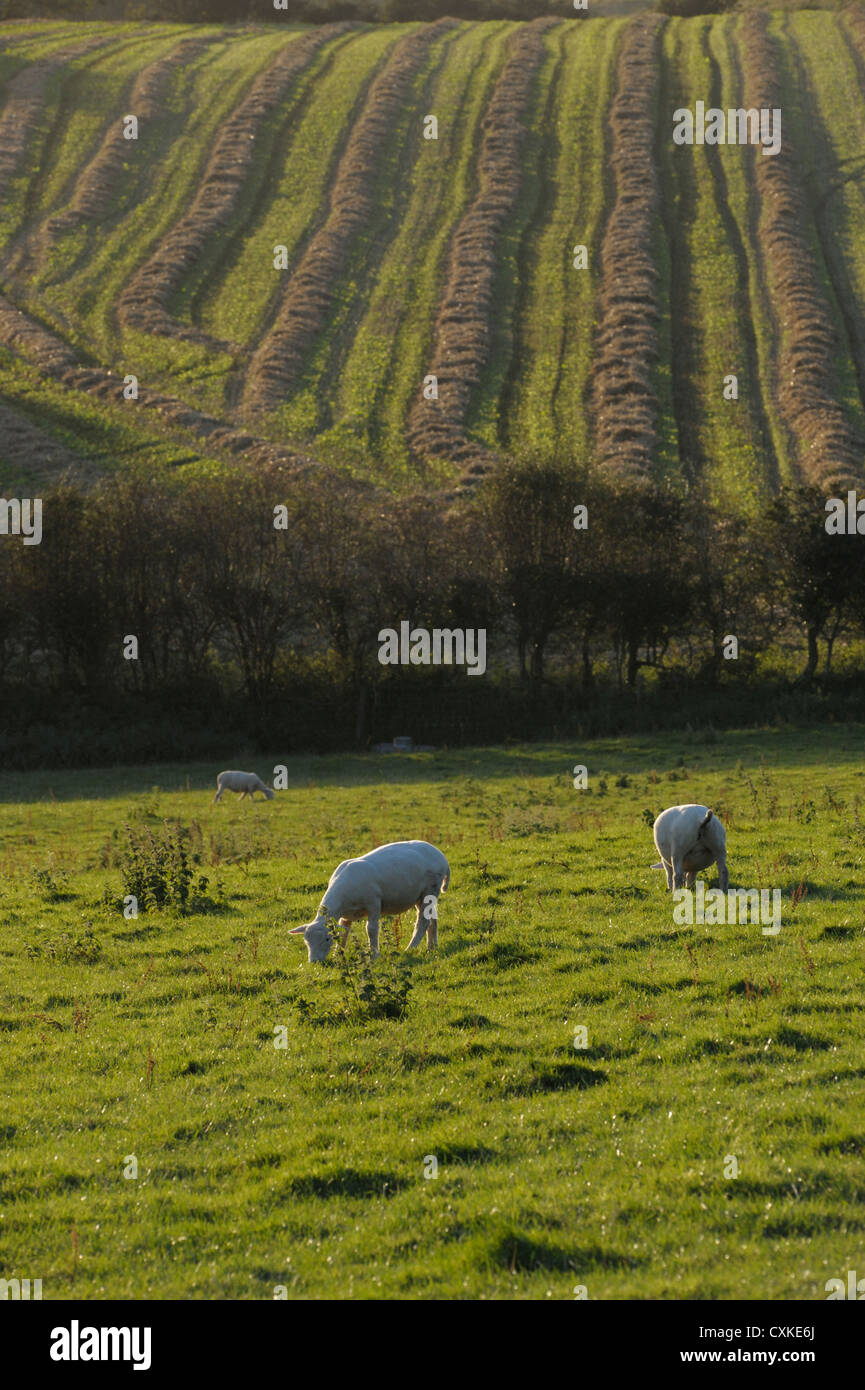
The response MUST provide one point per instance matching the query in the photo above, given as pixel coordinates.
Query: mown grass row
(239, 304)
(470, 314)
(55, 427)
(725, 51)
(813, 379)
(168, 163)
(388, 356)
(548, 406)
(829, 75)
(626, 395)
(725, 450)
(303, 355)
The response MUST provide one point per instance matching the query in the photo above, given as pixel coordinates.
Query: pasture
(303, 1166)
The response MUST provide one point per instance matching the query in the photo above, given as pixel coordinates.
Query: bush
(157, 868)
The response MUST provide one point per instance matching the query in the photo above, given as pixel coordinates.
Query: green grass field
(303, 1166)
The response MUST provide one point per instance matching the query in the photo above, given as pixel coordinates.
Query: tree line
(265, 598)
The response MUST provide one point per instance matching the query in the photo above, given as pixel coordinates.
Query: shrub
(157, 867)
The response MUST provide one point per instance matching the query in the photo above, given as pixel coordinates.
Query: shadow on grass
(521, 1254)
(345, 1182)
(633, 754)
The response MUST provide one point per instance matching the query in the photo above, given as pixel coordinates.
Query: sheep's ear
(293, 931)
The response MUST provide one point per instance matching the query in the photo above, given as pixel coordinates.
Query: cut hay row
(96, 186)
(279, 360)
(55, 358)
(461, 343)
(624, 402)
(824, 68)
(236, 297)
(143, 304)
(829, 453)
(854, 19)
(22, 112)
(552, 361)
(378, 382)
(32, 451)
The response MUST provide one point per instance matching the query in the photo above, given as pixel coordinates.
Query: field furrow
(387, 359)
(279, 361)
(143, 305)
(462, 334)
(242, 302)
(312, 409)
(28, 451)
(97, 186)
(547, 406)
(724, 445)
(23, 117)
(829, 452)
(26, 338)
(624, 399)
(829, 74)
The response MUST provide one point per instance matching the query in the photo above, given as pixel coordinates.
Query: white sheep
(690, 838)
(385, 882)
(247, 783)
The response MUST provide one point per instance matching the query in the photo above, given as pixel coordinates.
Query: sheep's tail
(704, 822)
(446, 881)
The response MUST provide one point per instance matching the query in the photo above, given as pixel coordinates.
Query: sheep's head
(269, 793)
(317, 937)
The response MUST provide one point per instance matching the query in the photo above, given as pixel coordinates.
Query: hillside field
(303, 1167)
(281, 257)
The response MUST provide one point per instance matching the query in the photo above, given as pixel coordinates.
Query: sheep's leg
(432, 931)
(372, 929)
(668, 872)
(345, 922)
(678, 873)
(218, 795)
(690, 878)
(420, 926)
(723, 874)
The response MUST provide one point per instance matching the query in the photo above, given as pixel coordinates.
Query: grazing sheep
(247, 783)
(385, 882)
(690, 838)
